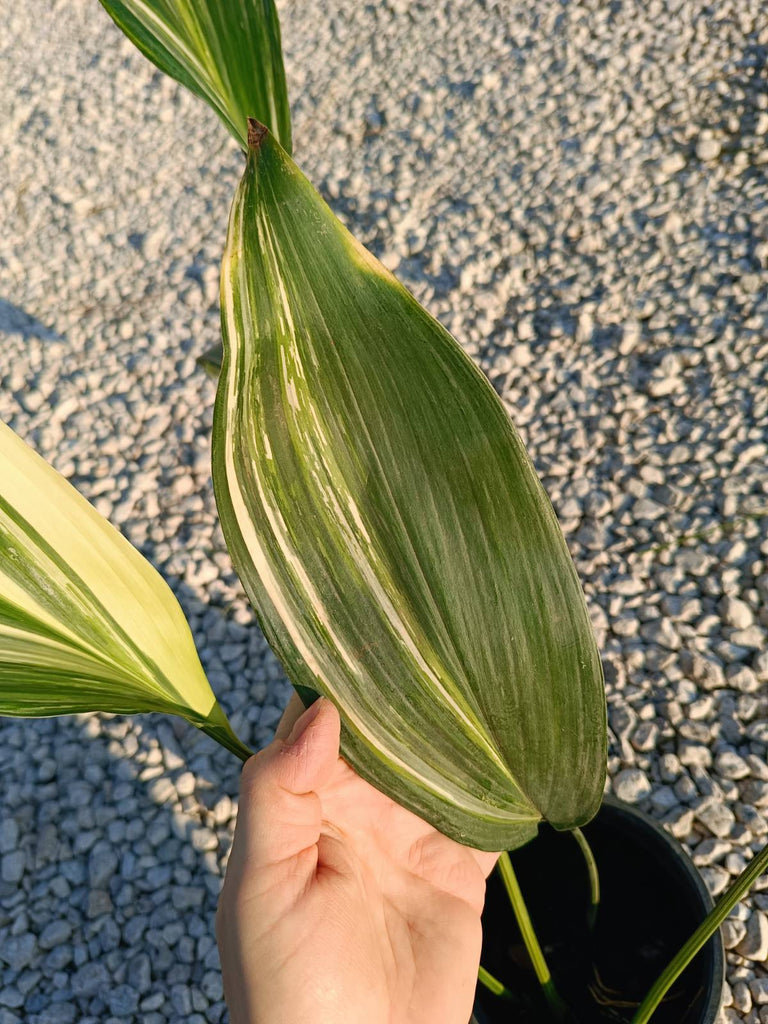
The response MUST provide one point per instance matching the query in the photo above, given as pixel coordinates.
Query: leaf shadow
(101, 789)
(15, 320)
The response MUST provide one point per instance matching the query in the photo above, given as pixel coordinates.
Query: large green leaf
(86, 623)
(226, 51)
(391, 532)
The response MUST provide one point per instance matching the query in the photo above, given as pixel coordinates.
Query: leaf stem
(594, 877)
(227, 739)
(492, 984)
(507, 872)
(706, 929)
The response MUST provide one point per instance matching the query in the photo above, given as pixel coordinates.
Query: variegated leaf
(226, 51)
(86, 623)
(391, 532)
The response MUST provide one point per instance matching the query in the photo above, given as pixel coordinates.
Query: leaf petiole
(594, 877)
(507, 872)
(493, 985)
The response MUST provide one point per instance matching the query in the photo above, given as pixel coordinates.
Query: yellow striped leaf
(391, 532)
(226, 51)
(86, 623)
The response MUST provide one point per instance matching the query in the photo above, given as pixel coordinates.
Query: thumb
(280, 812)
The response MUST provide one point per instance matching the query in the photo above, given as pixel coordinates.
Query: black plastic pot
(652, 899)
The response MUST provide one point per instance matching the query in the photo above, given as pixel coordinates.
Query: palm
(383, 894)
(421, 893)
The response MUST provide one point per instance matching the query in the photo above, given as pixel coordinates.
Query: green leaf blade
(391, 532)
(228, 52)
(86, 623)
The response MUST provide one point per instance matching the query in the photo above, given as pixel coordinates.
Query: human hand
(338, 904)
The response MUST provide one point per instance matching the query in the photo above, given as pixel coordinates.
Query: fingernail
(304, 721)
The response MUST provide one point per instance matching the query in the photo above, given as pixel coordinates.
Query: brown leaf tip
(256, 133)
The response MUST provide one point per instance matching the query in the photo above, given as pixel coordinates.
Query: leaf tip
(256, 133)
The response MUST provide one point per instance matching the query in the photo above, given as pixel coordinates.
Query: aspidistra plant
(379, 507)
(86, 623)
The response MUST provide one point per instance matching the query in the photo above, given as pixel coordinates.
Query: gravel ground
(579, 192)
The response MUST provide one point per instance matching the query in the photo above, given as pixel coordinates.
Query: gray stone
(736, 613)
(185, 784)
(729, 765)
(9, 835)
(760, 666)
(728, 1015)
(645, 736)
(742, 678)
(661, 632)
(708, 149)
(715, 878)
(102, 865)
(754, 945)
(140, 973)
(710, 850)
(161, 790)
(755, 792)
(694, 755)
(99, 904)
(18, 951)
(187, 897)
(55, 934)
(134, 928)
(647, 509)
(181, 999)
(663, 799)
(669, 767)
(12, 867)
(89, 980)
(212, 986)
(204, 839)
(733, 932)
(694, 561)
(705, 670)
(631, 785)
(742, 997)
(122, 1001)
(685, 789)
(153, 1002)
(717, 817)
(58, 1013)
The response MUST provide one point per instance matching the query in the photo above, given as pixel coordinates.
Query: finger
(294, 710)
(486, 861)
(280, 813)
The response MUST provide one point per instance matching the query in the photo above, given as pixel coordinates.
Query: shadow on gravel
(124, 825)
(14, 320)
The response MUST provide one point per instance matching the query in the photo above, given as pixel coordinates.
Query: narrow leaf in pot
(86, 623)
(391, 532)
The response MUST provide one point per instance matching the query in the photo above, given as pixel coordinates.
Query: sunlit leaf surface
(86, 623)
(391, 532)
